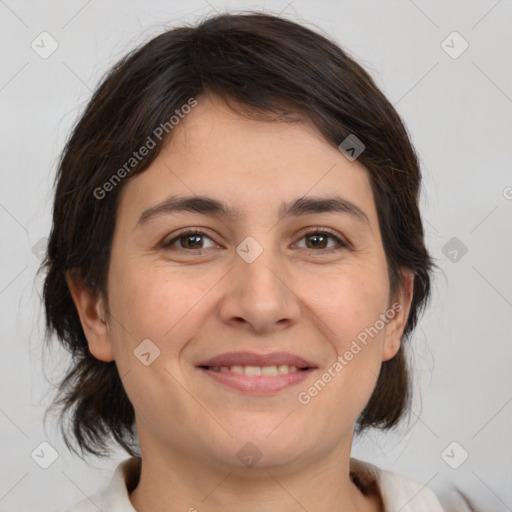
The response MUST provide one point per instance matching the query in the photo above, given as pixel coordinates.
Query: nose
(259, 296)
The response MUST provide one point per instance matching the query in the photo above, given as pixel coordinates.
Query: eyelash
(342, 244)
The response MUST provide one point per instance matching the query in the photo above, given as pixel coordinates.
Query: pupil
(192, 237)
(313, 237)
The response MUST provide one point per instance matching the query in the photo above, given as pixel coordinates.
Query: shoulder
(115, 496)
(398, 493)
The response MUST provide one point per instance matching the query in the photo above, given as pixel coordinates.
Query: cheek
(140, 296)
(149, 305)
(151, 302)
(350, 302)
(349, 306)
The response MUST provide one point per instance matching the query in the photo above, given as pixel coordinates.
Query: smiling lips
(255, 373)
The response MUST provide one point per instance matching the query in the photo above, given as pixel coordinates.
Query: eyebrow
(210, 206)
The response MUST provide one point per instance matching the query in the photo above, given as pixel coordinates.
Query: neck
(178, 482)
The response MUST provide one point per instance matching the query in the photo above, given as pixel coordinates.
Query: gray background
(458, 111)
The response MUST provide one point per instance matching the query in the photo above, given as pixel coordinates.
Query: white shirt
(399, 494)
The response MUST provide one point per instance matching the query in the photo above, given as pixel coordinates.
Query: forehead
(247, 163)
(215, 127)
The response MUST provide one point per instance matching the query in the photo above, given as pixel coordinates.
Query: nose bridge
(259, 268)
(262, 277)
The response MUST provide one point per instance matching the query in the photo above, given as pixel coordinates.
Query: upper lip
(255, 359)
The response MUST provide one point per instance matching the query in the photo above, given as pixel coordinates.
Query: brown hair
(272, 67)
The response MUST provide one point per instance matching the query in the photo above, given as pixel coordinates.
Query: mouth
(257, 374)
(256, 371)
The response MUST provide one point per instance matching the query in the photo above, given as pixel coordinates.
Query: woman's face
(254, 282)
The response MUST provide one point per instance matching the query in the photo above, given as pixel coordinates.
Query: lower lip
(260, 384)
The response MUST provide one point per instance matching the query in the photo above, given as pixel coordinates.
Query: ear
(92, 317)
(396, 324)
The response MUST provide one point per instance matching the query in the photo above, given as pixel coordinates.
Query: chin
(266, 447)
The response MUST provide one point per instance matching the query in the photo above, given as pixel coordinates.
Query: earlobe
(92, 317)
(396, 324)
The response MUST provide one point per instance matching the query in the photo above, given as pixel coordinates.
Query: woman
(237, 263)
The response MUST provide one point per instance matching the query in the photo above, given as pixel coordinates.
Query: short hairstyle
(268, 68)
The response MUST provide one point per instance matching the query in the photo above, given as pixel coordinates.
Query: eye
(189, 240)
(193, 240)
(319, 239)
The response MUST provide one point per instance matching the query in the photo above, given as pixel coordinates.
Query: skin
(291, 298)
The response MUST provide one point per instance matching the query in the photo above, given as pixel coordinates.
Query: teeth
(269, 371)
(237, 369)
(255, 371)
